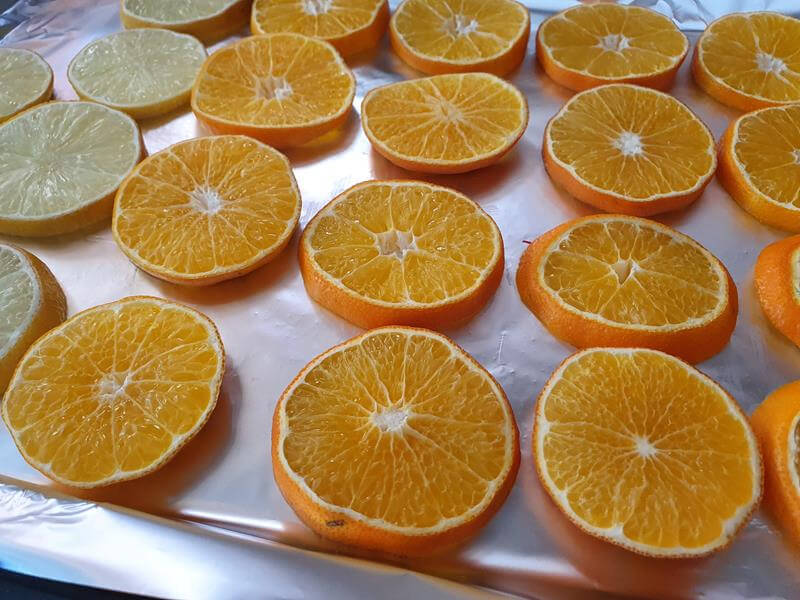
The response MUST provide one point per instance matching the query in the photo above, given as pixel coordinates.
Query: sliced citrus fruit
(592, 44)
(776, 423)
(25, 79)
(614, 280)
(113, 393)
(284, 89)
(207, 20)
(207, 209)
(402, 253)
(642, 450)
(456, 36)
(60, 164)
(142, 72)
(350, 26)
(750, 60)
(396, 440)
(759, 165)
(446, 123)
(777, 281)
(31, 303)
(629, 149)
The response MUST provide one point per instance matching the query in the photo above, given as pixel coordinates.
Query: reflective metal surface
(271, 329)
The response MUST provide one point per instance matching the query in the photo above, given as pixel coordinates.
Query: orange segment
(396, 440)
(402, 253)
(750, 60)
(207, 209)
(613, 280)
(284, 89)
(446, 123)
(642, 450)
(351, 26)
(777, 281)
(592, 44)
(456, 36)
(114, 392)
(629, 149)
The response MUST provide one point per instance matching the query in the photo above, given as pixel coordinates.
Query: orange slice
(207, 20)
(613, 280)
(283, 89)
(207, 209)
(114, 392)
(777, 281)
(351, 26)
(396, 440)
(446, 123)
(776, 423)
(640, 449)
(750, 60)
(25, 79)
(402, 253)
(592, 44)
(457, 36)
(759, 165)
(629, 149)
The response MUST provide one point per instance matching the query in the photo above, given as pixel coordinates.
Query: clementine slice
(446, 123)
(640, 449)
(777, 281)
(25, 79)
(207, 20)
(114, 392)
(283, 89)
(207, 209)
(629, 149)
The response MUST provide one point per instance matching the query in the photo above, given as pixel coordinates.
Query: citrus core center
(316, 7)
(645, 448)
(770, 64)
(206, 200)
(273, 88)
(796, 156)
(390, 420)
(614, 42)
(459, 25)
(628, 143)
(111, 385)
(395, 243)
(623, 269)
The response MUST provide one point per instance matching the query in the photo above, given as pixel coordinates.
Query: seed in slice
(456, 36)
(142, 72)
(25, 79)
(402, 253)
(207, 209)
(396, 440)
(207, 20)
(750, 60)
(629, 149)
(593, 44)
(31, 303)
(776, 423)
(350, 26)
(113, 393)
(759, 165)
(614, 280)
(446, 123)
(642, 450)
(60, 164)
(284, 89)
(777, 281)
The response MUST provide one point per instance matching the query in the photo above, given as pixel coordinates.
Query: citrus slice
(642, 450)
(396, 440)
(31, 303)
(113, 393)
(613, 280)
(592, 44)
(776, 423)
(456, 36)
(629, 149)
(142, 72)
(60, 164)
(350, 26)
(207, 209)
(25, 79)
(207, 20)
(402, 253)
(284, 89)
(445, 124)
(759, 165)
(777, 281)
(750, 60)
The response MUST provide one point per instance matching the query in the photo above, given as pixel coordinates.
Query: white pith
(793, 451)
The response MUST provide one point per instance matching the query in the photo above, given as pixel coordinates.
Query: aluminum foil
(222, 481)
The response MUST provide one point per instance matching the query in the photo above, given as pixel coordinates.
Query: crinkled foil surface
(243, 540)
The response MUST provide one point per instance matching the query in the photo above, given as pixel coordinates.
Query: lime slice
(25, 79)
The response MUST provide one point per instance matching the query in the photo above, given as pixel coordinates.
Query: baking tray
(222, 481)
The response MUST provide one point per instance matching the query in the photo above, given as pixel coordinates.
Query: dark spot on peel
(336, 523)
